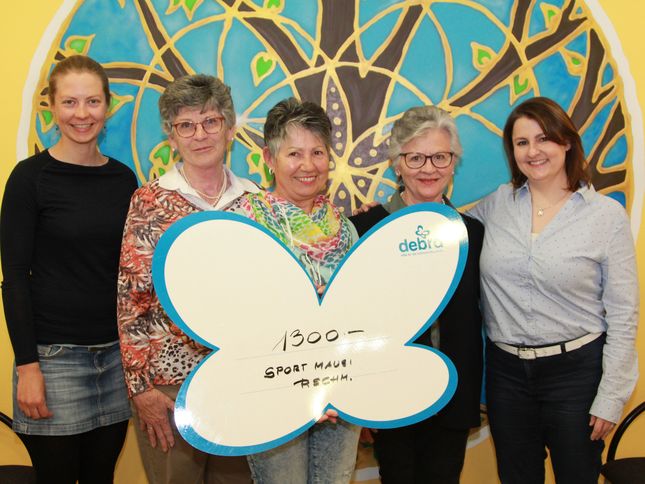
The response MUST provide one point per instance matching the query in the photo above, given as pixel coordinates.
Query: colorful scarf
(319, 239)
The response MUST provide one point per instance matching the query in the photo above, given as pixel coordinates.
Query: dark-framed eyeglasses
(440, 159)
(212, 125)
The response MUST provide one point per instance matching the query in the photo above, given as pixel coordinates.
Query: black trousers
(425, 452)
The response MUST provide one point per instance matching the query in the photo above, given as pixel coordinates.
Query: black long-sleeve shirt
(60, 236)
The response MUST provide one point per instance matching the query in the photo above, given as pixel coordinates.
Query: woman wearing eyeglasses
(424, 149)
(197, 114)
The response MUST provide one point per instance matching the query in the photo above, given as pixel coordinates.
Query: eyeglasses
(441, 159)
(186, 129)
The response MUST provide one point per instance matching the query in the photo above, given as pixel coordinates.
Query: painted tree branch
(586, 104)
(615, 126)
(520, 18)
(170, 60)
(366, 94)
(509, 60)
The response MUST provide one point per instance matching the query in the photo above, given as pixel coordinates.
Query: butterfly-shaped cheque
(282, 355)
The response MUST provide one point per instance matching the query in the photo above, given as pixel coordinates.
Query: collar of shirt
(172, 180)
(586, 191)
(397, 203)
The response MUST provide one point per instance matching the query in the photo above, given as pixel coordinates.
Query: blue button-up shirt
(577, 276)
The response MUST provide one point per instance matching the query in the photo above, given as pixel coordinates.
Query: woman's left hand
(367, 435)
(601, 427)
(330, 415)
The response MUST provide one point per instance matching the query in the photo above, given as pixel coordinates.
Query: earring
(271, 170)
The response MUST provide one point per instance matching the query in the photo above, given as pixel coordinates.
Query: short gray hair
(292, 112)
(197, 90)
(415, 122)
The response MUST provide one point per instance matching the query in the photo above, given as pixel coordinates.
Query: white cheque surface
(283, 356)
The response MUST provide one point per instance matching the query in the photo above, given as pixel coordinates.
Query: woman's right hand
(31, 391)
(365, 207)
(152, 408)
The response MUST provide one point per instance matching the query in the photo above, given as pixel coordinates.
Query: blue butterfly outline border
(158, 276)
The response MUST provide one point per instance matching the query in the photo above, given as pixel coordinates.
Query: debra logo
(420, 244)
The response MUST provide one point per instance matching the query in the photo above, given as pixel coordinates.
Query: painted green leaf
(114, 102)
(163, 154)
(47, 116)
(482, 56)
(273, 4)
(255, 158)
(78, 45)
(551, 13)
(189, 5)
(262, 66)
(575, 61)
(519, 88)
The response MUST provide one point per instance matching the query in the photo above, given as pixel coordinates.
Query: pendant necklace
(541, 210)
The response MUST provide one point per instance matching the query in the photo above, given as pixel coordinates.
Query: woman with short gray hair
(199, 90)
(424, 149)
(414, 122)
(198, 116)
(298, 138)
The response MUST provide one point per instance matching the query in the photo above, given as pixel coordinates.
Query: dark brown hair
(557, 127)
(78, 63)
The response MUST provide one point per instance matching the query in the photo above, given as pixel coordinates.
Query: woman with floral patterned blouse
(198, 115)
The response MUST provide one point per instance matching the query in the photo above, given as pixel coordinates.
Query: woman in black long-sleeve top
(62, 220)
(424, 148)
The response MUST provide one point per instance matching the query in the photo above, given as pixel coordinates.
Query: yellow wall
(21, 33)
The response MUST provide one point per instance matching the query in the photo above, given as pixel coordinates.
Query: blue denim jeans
(540, 404)
(325, 454)
(84, 389)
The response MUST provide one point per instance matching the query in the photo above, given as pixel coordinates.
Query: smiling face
(426, 184)
(202, 150)
(79, 107)
(538, 158)
(301, 167)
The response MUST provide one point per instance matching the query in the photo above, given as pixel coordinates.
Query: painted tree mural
(366, 62)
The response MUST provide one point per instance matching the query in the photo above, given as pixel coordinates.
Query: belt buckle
(526, 353)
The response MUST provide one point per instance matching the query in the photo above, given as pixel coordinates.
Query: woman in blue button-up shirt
(560, 301)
